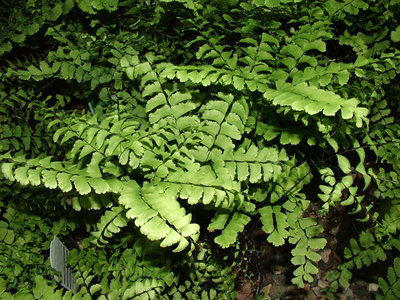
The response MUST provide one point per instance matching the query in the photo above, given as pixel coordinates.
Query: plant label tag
(58, 260)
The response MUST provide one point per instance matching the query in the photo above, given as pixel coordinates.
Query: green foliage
(391, 287)
(24, 238)
(159, 124)
(142, 271)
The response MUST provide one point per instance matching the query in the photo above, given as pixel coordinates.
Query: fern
(195, 118)
(366, 251)
(24, 236)
(155, 218)
(312, 101)
(230, 231)
(110, 223)
(390, 288)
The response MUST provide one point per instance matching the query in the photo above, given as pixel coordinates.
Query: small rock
(311, 295)
(325, 255)
(276, 292)
(349, 294)
(293, 292)
(334, 230)
(317, 292)
(373, 287)
(323, 284)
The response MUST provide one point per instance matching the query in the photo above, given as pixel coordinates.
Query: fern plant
(24, 240)
(390, 288)
(197, 118)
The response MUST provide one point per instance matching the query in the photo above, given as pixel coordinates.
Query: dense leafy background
(161, 132)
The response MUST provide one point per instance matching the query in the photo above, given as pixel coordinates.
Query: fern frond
(110, 223)
(208, 75)
(203, 185)
(274, 224)
(361, 253)
(230, 229)
(313, 100)
(304, 233)
(146, 289)
(158, 214)
(249, 163)
(54, 174)
(391, 288)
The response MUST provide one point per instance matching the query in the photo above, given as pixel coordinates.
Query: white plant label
(58, 260)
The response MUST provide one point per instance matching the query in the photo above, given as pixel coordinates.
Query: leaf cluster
(167, 122)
